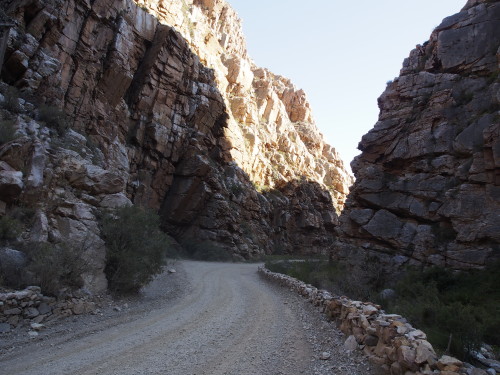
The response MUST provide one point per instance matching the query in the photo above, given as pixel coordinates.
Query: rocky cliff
(427, 185)
(157, 104)
(270, 130)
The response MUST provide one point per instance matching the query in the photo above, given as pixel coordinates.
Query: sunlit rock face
(427, 185)
(166, 111)
(270, 131)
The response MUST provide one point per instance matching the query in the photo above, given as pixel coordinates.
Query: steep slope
(271, 132)
(428, 181)
(230, 156)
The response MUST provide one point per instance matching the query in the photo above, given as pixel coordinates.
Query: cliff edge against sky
(164, 109)
(427, 185)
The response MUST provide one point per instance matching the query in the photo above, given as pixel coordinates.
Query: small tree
(136, 248)
(7, 131)
(54, 118)
(54, 267)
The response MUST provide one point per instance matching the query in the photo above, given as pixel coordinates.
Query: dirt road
(228, 321)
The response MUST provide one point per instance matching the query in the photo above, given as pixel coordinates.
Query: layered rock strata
(271, 132)
(427, 185)
(228, 155)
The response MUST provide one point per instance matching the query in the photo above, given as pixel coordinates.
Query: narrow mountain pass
(228, 321)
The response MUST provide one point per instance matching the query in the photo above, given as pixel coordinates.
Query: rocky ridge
(271, 132)
(427, 185)
(111, 107)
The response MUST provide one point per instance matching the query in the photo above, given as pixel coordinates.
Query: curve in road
(228, 322)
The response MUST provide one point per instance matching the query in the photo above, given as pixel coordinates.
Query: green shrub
(136, 248)
(10, 228)
(54, 118)
(11, 102)
(23, 214)
(321, 273)
(54, 267)
(7, 131)
(462, 306)
(361, 283)
(464, 98)
(205, 250)
(236, 189)
(12, 273)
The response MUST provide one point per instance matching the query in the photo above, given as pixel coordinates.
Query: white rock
(32, 334)
(325, 356)
(37, 326)
(417, 334)
(351, 344)
(115, 201)
(369, 310)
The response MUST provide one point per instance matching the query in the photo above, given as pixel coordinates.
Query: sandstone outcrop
(270, 131)
(115, 106)
(427, 185)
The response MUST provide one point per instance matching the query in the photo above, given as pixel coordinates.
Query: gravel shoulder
(207, 318)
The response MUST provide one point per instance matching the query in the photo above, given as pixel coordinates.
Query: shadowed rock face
(270, 133)
(151, 124)
(428, 180)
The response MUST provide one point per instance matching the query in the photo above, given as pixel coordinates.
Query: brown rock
(78, 308)
(370, 340)
(427, 169)
(406, 358)
(446, 361)
(377, 360)
(13, 320)
(209, 147)
(396, 369)
(425, 353)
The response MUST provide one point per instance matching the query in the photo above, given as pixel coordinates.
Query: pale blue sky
(341, 53)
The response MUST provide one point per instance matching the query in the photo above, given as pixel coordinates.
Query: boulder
(351, 344)
(11, 185)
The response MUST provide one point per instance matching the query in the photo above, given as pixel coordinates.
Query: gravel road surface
(207, 318)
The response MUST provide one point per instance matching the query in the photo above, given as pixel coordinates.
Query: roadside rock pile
(387, 339)
(29, 306)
